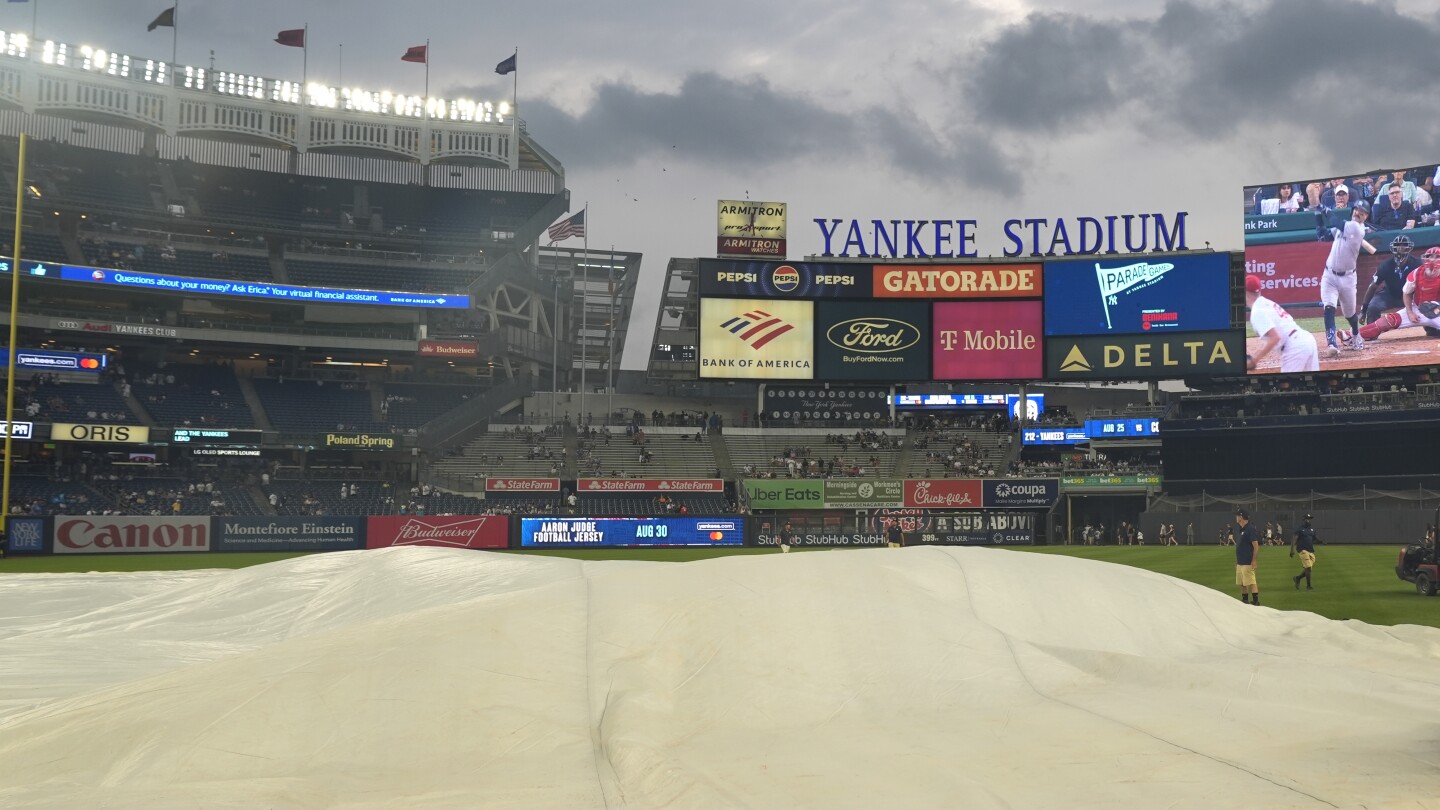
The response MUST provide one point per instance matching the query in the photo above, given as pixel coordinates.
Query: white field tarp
(915, 678)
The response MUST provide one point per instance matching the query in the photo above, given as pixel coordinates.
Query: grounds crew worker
(1304, 543)
(894, 535)
(1247, 557)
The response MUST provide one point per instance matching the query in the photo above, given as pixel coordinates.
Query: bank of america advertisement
(750, 338)
(750, 228)
(1138, 294)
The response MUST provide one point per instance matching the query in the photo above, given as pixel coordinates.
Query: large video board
(1291, 246)
(1137, 294)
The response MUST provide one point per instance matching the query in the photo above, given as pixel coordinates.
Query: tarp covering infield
(919, 677)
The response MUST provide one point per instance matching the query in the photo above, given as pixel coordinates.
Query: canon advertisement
(289, 533)
(1130, 294)
(868, 340)
(1295, 234)
(735, 279)
(989, 340)
(112, 534)
(630, 532)
(448, 531)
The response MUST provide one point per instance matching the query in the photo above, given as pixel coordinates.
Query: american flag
(566, 228)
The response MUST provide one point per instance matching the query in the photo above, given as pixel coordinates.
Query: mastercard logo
(785, 278)
(717, 536)
(89, 362)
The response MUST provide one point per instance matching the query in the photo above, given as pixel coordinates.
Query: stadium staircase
(461, 424)
(252, 401)
(571, 442)
(135, 407)
(722, 455)
(902, 456)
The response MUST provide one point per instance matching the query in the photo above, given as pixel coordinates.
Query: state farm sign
(651, 485)
(522, 484)
(95, 534)
(450, 531)
(448, 348)
(942, 493)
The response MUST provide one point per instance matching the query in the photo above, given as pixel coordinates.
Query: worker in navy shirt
(1304, 544)
(1247, 557)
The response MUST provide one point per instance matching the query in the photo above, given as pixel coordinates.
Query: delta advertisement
(990, 340)
(1290, 229)
(868, 340)
(630, 532)
(289, 533)
(756, 339)
(1158, 355)
(1138, 294)
(794, 280)
(448, 531)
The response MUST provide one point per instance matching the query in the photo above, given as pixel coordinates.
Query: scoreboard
(622, 532)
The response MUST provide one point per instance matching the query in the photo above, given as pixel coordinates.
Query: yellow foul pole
(14, 330)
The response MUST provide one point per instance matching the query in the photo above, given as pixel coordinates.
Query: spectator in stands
(1397, 180)
(1394, 213)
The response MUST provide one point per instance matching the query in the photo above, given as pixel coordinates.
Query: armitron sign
(750, 228)
(108, 534)
(109, 434)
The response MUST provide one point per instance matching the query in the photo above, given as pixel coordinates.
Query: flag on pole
(292, 37)
(418, 53)
(566, 228)
(507, 65)
(166, 19)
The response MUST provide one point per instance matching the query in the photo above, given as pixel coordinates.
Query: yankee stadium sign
(955, 238)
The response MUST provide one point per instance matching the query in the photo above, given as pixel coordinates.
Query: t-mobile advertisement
(988, 340)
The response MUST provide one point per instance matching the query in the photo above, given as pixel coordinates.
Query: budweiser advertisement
(449, 531)
(992, 340)
(659, 485)
(522, 484)
(449, 348)
(943, 493)
(96, 534)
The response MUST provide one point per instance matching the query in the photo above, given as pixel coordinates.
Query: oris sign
(95, 534)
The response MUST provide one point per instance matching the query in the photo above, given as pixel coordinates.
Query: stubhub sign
(250, 289)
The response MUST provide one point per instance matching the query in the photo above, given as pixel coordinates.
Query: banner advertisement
(1067, 435)
(289, 533)
(1289, 272)
(992, 340)
(108, 434)
(522, 484)
(1121, 428)
(933, 281)
(45, 360)
(449, 348)
(806, 493)
(782, 403)
(114, 328)
(630, 532)
(20, 430)
(1134, 357)
(449, 531)
(1130, 294)
(1021, 493)
(215, 436)
(872, 340)
(660, 485)
(943, 493)
(965, 528)
(253, 289)
(25, 535)
(746, 338)
(860, 493)
(814, 529)
(1076, 482)
(111, 534)
(360, 441)
(796, 280)
(750, 228)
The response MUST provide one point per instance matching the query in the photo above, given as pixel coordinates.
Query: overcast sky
(891, 109)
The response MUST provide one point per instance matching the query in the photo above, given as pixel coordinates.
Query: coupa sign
(94, 534)
(1020, 493)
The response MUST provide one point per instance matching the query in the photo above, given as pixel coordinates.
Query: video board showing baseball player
(1350, 264)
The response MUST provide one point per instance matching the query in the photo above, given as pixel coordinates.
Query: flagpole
(427, 70)
(581, 339)
(610, 339)
(305, 60)
(341, 83)
(14, 329)
(515, 111)
(175, 37)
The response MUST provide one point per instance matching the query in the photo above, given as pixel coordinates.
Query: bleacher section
(199, 395)
(37, 247)
(92, 177)
(806, 452)
(322, 497)
(38, 495)
(672, 453)
(974, 451)
(502, 503)
(505, 451)
(74, 402)
(410, 405)
(625, 505)
(302, 407)
(157, 496)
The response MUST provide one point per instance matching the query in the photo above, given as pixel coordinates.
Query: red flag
(293, 37)
(418, 53)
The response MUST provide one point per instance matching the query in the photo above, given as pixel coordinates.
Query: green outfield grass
(1351, 582)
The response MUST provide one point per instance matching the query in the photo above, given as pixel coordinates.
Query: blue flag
(507, 66)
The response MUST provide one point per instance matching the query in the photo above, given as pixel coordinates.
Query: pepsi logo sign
(785, 278)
